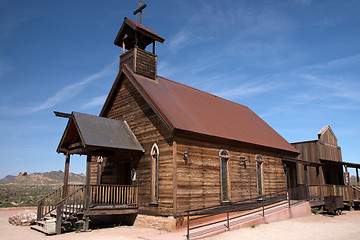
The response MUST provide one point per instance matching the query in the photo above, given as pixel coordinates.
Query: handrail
(69, 206)
(236, 202)
(48, 203)
(261, 202)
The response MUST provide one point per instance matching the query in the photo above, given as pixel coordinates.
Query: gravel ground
(314, 227)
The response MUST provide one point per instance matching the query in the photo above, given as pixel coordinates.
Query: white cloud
(247, 89)
(70, 91)
(97, 101)
(334, 87)
(180, 40)
(337, 63)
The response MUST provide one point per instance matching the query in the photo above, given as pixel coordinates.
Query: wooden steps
(46, 226)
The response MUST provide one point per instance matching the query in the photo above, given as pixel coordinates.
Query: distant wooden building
(324, 150)
(326, 174)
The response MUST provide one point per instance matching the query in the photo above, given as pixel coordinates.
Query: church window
(154, 174)
(224, 172)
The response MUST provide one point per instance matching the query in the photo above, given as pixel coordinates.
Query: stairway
(67, 222)
(56, 214)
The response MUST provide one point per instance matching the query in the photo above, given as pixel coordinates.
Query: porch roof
(86, 132)
(297, 160)
(348, 164)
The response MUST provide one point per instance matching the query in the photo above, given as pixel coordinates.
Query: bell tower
(134, 38)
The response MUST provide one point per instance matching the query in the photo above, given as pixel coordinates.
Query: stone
(24, 218)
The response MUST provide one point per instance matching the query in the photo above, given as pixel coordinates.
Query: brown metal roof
(189, 109)
(127, 34)
(93, 131)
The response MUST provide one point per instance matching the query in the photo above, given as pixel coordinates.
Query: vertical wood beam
(318, 180)
(87, 190)
(306, 181)
(153, 47)
(66, 176)
(357, 176)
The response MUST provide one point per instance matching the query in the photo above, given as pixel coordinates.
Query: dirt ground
(315, 227)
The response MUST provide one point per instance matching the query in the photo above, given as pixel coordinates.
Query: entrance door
(291, 175)
(124, 173)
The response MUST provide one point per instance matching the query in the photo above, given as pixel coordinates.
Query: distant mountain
(8, 178)
(53, 177)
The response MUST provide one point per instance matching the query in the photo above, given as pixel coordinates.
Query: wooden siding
(308, 151)
(140, 62)
(329, 152)
(328, 137)
(130, 106)
(199, 184)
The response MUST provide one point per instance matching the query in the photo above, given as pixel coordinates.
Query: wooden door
(124, 173)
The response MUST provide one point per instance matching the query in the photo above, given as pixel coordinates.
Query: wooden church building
(160, 148)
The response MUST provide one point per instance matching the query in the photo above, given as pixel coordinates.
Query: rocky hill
(53, 177)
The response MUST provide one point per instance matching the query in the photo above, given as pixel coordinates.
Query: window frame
(225, 197)
(154, 191)
(259, 160)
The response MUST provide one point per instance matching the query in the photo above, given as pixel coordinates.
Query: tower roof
(130, 30)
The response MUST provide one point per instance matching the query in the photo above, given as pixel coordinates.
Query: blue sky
(295, 63)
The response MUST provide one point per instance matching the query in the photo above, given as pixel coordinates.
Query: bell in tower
(134, 37)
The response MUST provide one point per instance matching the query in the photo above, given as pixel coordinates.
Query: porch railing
(125, 196)
(347, 192)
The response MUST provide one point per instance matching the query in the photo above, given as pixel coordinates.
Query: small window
(224, 172)
(154, 174)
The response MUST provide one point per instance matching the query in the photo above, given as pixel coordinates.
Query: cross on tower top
(139, 10)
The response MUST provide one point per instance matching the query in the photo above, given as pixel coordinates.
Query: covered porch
(109, 145)
(316, 193)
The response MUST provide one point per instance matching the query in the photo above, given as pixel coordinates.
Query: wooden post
(357, 176)
(318, 180)
(66, 176)
(228, 218)
(188, 226)
(87, 191)
(58, 218)
(40, 210)
(306, 182)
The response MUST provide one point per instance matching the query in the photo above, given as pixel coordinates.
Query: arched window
(154, 174)
(224, 172)
(259, 172)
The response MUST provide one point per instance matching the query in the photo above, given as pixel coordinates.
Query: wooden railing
(70, 206)
(122, 196)
(338, 190)
(126, 196)
(356, 192)
(315, 192)
(349, 193)
(48, 203)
